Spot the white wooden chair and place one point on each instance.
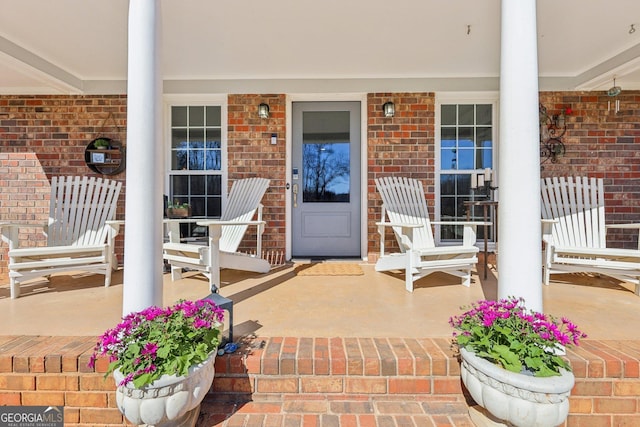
(225, 235)
(405, 206)
(574, 232)
(80, 232)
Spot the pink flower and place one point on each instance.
(150, 349)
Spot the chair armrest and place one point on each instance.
(469, 234)
(19, 224)
(630, 226)
(398, 224)
(547, 225)
(215, 231)
(180, 220)
(407, 233)
(9, 231)
(207, 223)
(114, 226)
(463, 223)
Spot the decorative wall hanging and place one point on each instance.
(552, 129)
(105, 155)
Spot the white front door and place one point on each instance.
(325, 179)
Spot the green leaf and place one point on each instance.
(509, 359)
(142, 380)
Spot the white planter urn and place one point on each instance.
(170, 400)
(513, 398)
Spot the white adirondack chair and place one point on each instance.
(405, 206)
(574, 232)
(80, 232)
(225, 235)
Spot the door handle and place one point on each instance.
(295, 195)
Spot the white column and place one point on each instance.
(520, 264)
(143, 217)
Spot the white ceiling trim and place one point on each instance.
(40, 68)
(624, 63)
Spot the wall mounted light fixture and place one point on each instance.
(263, 111)
(389, 109)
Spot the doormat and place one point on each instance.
(330, 269)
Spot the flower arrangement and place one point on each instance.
(519, 340)
(158, 341)
(176, 204)
(176, 209)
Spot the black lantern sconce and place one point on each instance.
(389, 109)
(552, 129)
(263, 111)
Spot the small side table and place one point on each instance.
(486, 204)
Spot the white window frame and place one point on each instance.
(218, 100)
(463, 98)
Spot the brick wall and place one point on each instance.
(53, 371)
(251, 153)
(399, 145)
(602, 143)
(43, 136)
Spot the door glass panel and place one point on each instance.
(326, 156)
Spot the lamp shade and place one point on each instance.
(263, 111)
(389, 109)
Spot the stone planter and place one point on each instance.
(170, 400)
(513, 398)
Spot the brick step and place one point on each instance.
(310, 381)
(341, 410)
(282, 381)
(360, 366)
(337, 382)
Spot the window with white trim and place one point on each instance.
(196, 158)
(466, 152)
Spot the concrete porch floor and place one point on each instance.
(284, 304)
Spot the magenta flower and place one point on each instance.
(518, 333)
(150, 349)
(150, 343)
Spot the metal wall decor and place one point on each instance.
(552, 129)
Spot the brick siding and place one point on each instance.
(399, 145)
(272, 371)
(603, 144)
(251, 153)
(42, 136)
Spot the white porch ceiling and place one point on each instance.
(246, 46)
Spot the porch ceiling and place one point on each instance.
(80, 46)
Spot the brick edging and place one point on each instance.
(43, 370)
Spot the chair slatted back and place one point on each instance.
(578, 205)
(403, 201)
(242, 204)
(79, 208)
